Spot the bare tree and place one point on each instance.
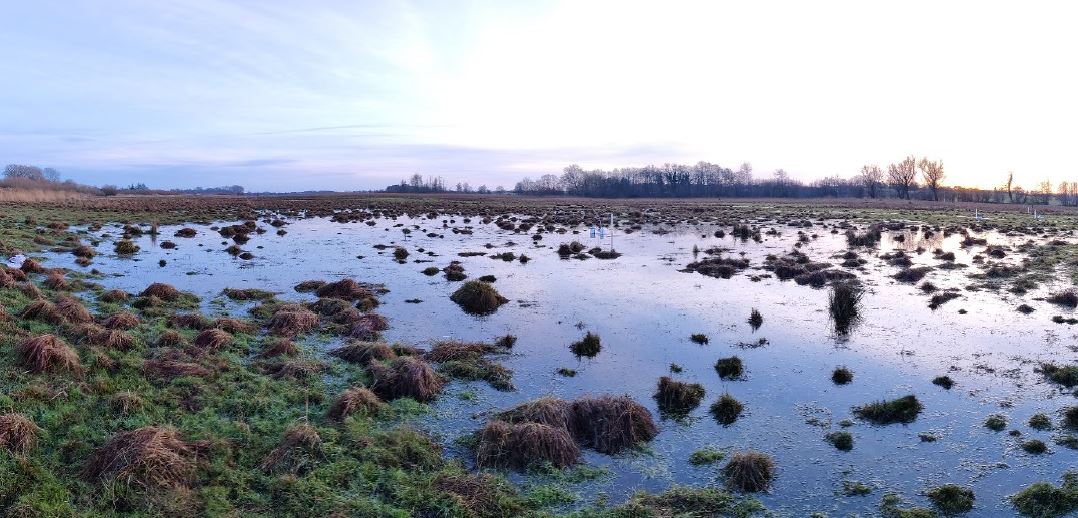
(23, 171)
(51, 174)
(871, 178)
(1010, 183)
(903, 176)
(1044, 191)
(932, 172)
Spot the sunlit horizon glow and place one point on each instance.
(356, 95)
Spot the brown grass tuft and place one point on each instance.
(520, 445)
(114, 296)
(170, 338)
(346, 289)
(189, 321)
(56, 281)
(47, 353)
(72, 310)
(406, 377)
(293, 322)
(30, 265)
(279, 347)
(364, 352)
(121, 320)
(43, 311)
(296, 452)
(352, 400)
(162, 291)
(610, 424)
(454, 350)
(17, 433)
(235, 326)
(749, 471)
(126, 402)
(151, 457)
(550, 411)
(212, 340)
(171, 368)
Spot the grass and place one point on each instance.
(841, 440)
(1034, 446)
(588, 346)
(996, 422)
(726, 409)
(699, 338)
(1044, 500)
(1040, 421)
(951, 499)
(755, 319)
(1066, 375)
(706, 456)
(902, 410)
(478, 297)
(842, 304)
(842, 375)
(730, 368)
(943, 381)
(678, 398)
(749, 471)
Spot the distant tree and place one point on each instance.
(28, 172)
(109, 190)
(1010, 183)
(1044, 192)
(871, 177)
(903, 176)
(499, 190)
(482, 189)
(932, 172)
(51, 174)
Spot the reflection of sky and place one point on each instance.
(353, 95)
(644, 309)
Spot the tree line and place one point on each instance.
(910, 178)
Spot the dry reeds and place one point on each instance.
(235, 326)
(151, 457)
(56, 281)
(677, 397)
(43, 311)
(353, 400)
(114, 296)
(17, 433)
(47, 353)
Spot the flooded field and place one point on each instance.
(958, 316)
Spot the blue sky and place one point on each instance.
(280, 95)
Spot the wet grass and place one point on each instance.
(951, 499)
(902, 410)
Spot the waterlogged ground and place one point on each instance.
(645, 308)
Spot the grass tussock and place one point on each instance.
(168, 368)
(1066, 375)
(951, 499)
(42, 311)
(1044, 500)
(151, 457)
(406, 377)
(677, 397)
(524, 444)
(902, 410)
(292, 322)
(352, 401)
(478, 297)
(235, 326)
(298, 451)
(588, 346)
(749, 471)
(189, 321)
(1067, 298)
(610, 424)
(843, 304)
(122, 320)
(841, 375)
(346, 289)
(170, 338)
(212, 340)
(364, 352)
(841, 440)
(72, 310)
(47, 353)
(730, 368)
(279, 347)
(726, 409)
(18, 433)
(165, 292)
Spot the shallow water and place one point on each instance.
(645, 308)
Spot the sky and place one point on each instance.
(281, 95)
